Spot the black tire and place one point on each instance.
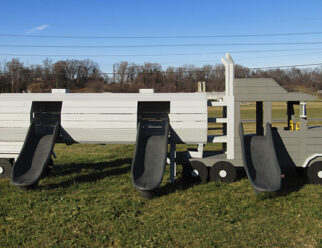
(195, 171)
(5, 168)
(314, 173)
(223, 171)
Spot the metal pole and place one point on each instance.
(173, 165)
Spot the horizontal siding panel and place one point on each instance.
(99, 117)
(186, 110)
(314, 149)
(15, 110)
(314, 141)
(14, 124)
(13, 134)
(188, 117)
(72, 110)
(10, 147)
(100, 104)
(14, 117)
(314, 134)
(102, 136)
(19, 104)
(192, 135)
(203, 125)
(98, 124)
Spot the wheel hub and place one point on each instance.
(1, 170)
(222, 173)
(195, 173)
(320, 174)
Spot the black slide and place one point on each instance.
(150, 155)
(261, 161)
(39, 143)
(34, 156)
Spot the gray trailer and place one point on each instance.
(271, 153)
(31, 124)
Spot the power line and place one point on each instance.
(163, 45)
(283, 66)
(159, 55)
(160, 37)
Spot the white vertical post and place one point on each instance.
(231, 74)
(223, 60)
(230, 127)
(303, 109)
(173, 165)
(230, 103)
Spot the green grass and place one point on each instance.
(88, 201)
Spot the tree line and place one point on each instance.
(86, 76)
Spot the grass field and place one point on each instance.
(88, 201)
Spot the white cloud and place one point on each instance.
(42, 27)
(39, 28)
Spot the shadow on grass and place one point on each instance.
(72, 168)
(184, 184)
(178, 185)
(101, 171)
(289, 185)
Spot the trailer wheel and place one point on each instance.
(223, 171)
(314, 173)
(5, 168)
(194, 171)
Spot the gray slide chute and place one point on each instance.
(150, 155)
(35, 155)
(37, 149)
(261, 161)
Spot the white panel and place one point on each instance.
(188, 117)
(13, 134)
(217, 138)
(176, 125)
(11, 109)
(102, 136)
(98, 124)
(10, 147)
(192, 135)
(188, 109)
(101, 104)
(14, 117)
(14, 124)
(99, 117)
(7, 104)
(73, 110)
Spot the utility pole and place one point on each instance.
(113, 73)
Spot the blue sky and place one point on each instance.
(163, 18)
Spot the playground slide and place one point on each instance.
(35, 155)
(260, 160)
(150, 155)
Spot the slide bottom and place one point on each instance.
(150, 155)
(34, 157)
(260, 161)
